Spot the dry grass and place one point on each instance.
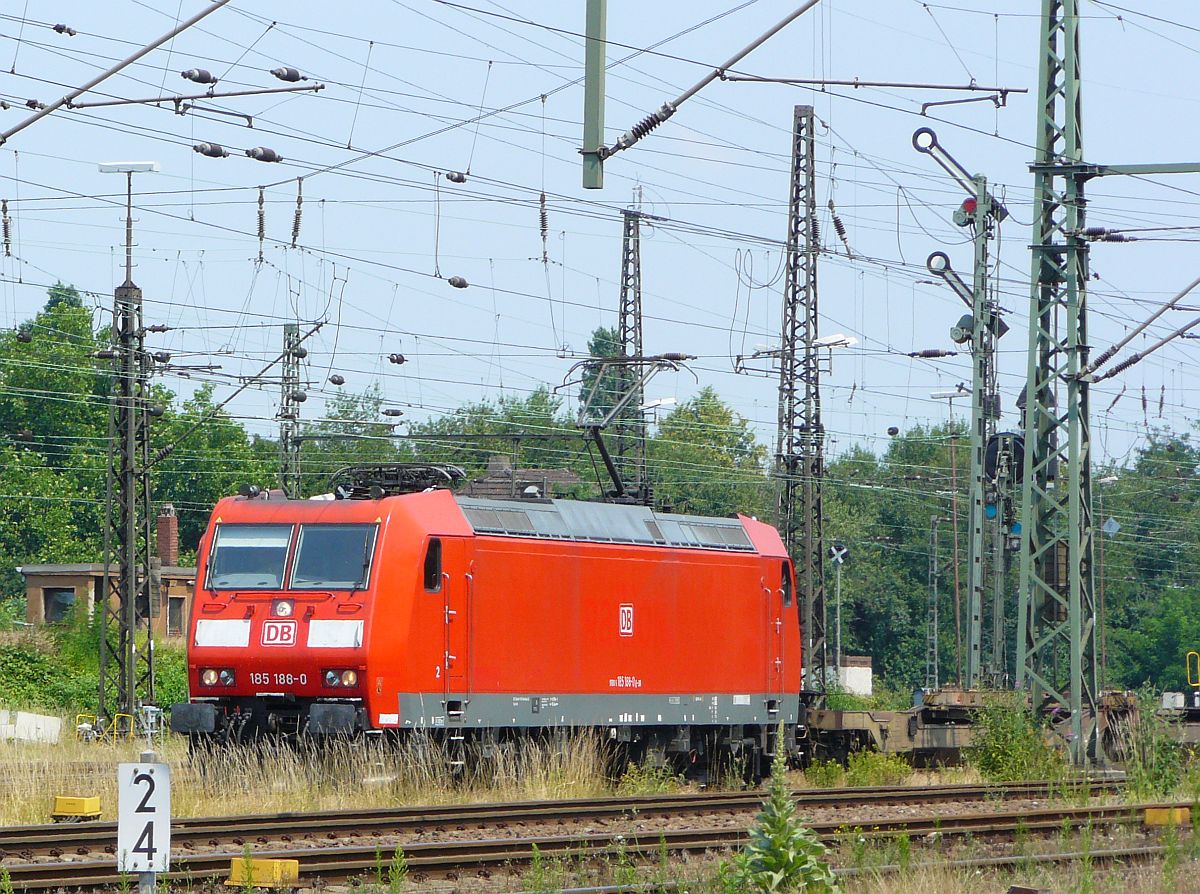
(341, 775)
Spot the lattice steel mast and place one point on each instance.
(127, 600)
(799, 460)
(631, 426)
(1056, 637)
(291, 396)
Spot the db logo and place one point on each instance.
(279, 633)
(626, 622)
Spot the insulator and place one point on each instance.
(391, 411)
(543, 216)
(299, 352)
(336, 379)
(289, 74)
(458, 282)
(262, 153)
(930, 353)
(262, 221)
(815, 232)
(158, 327)
(162, 357)
(33, 104)
(839, 227)
(298, 396)
(1094, 232)
(198, 75)
(65, 29)
(299, 212)
(211, 150)
(893, 430)
(7, 224)
(5, 106)
(456, 176)
(397, 359)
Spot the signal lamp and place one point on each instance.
(226, 677)
(282, 608)
(349, 678)
(332, 678)
(208, 677)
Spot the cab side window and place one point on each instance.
(786, 586)
(433, 565)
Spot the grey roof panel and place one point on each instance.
(603, 523)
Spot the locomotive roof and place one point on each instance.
(603, 522)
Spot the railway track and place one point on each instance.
(483, 858)
(85, 839)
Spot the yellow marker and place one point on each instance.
(1193, 669)
(261, 873)
(1168, 816)
(71, 809)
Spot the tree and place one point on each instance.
(351, 434)
(705, 460)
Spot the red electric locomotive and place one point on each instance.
(438, 612)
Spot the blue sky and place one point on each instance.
(381, 229)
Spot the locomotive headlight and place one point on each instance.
(349, 678)
(282, 608)
(226, 677)
(208, 677)
(332, 678)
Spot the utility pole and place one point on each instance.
(981, 328)
(932, 675)
(129, 598)
(291, 395)
(799, 461)
(1056, 622)
(631, 429)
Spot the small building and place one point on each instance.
(53, 591)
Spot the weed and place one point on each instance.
(903, 851)
(1086, 884)
(782, 853)
(872, 768)
(1021, 837)
(825, 774)
(538, 880)
(6, 885)
(397, 871)
(642, 779)
(1153, 759)
(1011, 745)
(1171, 855)
(247, 870)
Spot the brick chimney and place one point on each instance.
(168, 535)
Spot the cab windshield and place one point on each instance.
(249, 557)
(333, 557)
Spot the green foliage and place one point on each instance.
(782, 853)
(826, 774)
(704, 460)
(642, 779)
(872, 768)
(1011, 745)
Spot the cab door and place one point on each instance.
(781, 600)
(457, 581)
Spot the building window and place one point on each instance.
(58, 603)
(175, 619)
(433, 566)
